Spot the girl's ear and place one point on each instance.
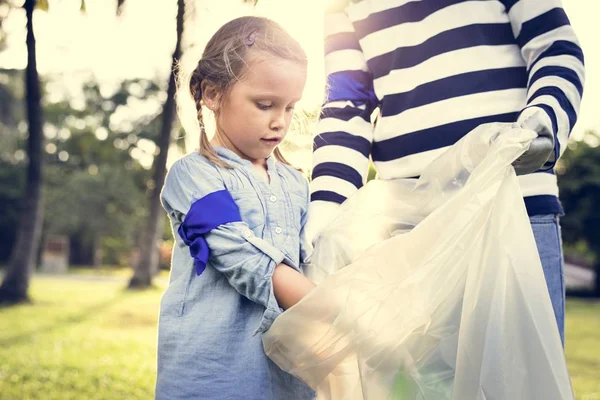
(211, 95)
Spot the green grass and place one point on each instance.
(92, 340)
(79, 340)
(109, 270)
(103, 270)
(583, 348)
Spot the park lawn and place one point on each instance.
(80, 339)
(583, 347)
(109, 270)
(84, 339)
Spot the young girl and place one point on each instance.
(237, 210)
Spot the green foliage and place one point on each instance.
(4, 10)
(12, 184)
(77, 127)
(6, 106)
(95, 190)
(579, 182)
(372, 172)
(106, 203)
(42, 5)
(116, 250)
(11, 90)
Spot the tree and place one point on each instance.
(94, 206)
(4, 7)
(15, 285)
(96, 164)
(25, 250)
(579, 182)
(148, 264)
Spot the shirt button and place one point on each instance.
(273, 199)
(278, 230)
(247, 233)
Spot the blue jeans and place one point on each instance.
(546, 229)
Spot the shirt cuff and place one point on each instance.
(272, 310)
(545, 116)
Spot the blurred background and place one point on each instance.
(88, 124)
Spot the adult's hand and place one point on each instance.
(541, 150)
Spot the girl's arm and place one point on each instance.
(290, 286)
(192, 193)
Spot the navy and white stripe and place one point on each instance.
(437, 69)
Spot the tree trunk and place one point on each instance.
(25, 251)
(597, 283)
(98, 253)
(148, 264)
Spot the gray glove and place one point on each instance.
(541, 150)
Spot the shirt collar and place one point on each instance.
(233, 158)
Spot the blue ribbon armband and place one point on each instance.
(205, 214)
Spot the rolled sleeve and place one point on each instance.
(248, 263)
(246, 260)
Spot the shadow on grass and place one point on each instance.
(75, 318)
(585, 365)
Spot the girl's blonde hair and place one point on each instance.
(224, 58)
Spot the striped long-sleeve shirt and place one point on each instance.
(437, 69)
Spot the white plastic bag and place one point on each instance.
(430, 289)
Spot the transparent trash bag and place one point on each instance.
(430, 289)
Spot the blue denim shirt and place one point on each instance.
(209, 342)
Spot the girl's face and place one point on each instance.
(255, 114)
